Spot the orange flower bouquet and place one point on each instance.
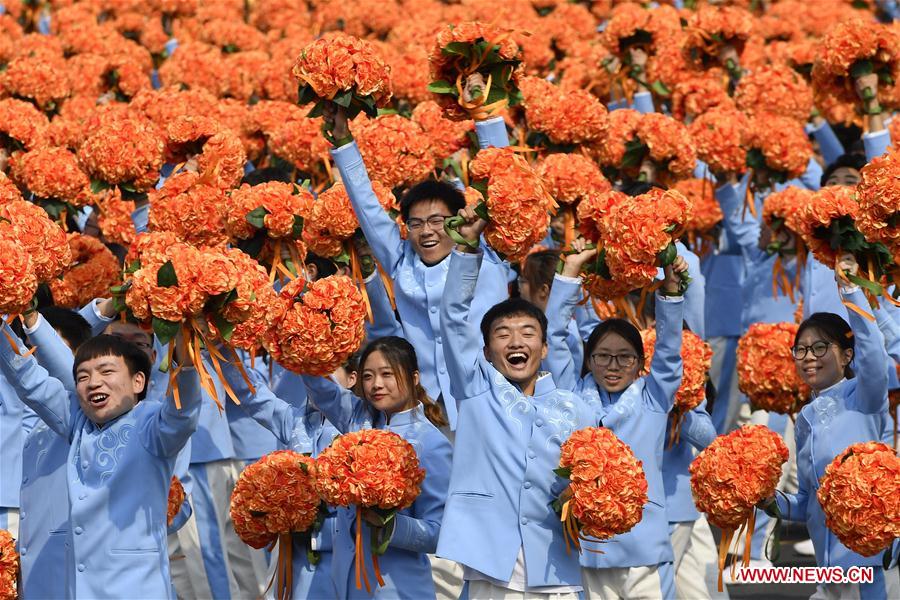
(464, 49)
(18, 282)
(516, 203)
(9, 566)
(258, 299)
(395, 150)
(854, 48)
(95, 269)
(267, 219)
(777, 158)
(765, 367)
(705, 212)
(376, 470)
(696, 356)
(54, 177)
(878, 194)
(346, 71)
(734, 473)
(651, 137)
(596, 278)
(561, 118)
(710, 29)
(696, 95)
(114, 217)
(720, 137)
(218, 152)
(202, 292)
(190, 208)
(319, 324)
(176, 499)
(828, 226)
(124, 152)
(570, 178)
(607, 487)
(298, 140)
(781, 210)
(858, 494)
(446, 136)
(639, 234)
(24, 127)
(775, 89)
(275, 502)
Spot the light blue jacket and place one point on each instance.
(638, 416)
(11, 433)
(303, 429)
(507, 445)
(851, 411)
(829, 144)
(118, 481)
(697, 431)
(418, 288)
(251, 440)
(404, 566)
(759, 305)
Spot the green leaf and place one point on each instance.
(458, 49)
(344, 98)
(166, 276)
(318, 110)
(165, 330)
(441, 87)
(297, 227)
(861, 68)
(225, 327)
(482, 211)
(305, 94)
(257, 217)
(660, 89)
(98, 186)
(564, 472)
(756, 160)
(634, 153)
(668, 256)
(133, 267)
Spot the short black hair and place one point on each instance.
(637, 188)
(834, 329)
(431, 189)
(848, 161)
(71, 326)
(540, 267)
(266, 174)
(135, 359)
(324, 266)
(510, 308)
(620, 327)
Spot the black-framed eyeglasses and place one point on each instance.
(434, 222)
(625, 361)
(818, 349)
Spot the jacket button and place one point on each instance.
(539, 422)
(84, 464)
(24, 480)
(433, 309)
(23, 551)
(78, 531)
(527, 485)
(82, 496)
(524, 521)
(80, 568)
(532, 454)
(437, 340)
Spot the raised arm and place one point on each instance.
(697, 427)
(829, 144)
(52, 352)
(666, 366)
(339, 405)
(384, 321)
(741, 226)
(98, 313)
(419, 532)
(462, 340)
(564, 297)
(890, 329)
(870, 358)
(167, 434)
(44, 394)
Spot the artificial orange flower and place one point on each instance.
(766, 371)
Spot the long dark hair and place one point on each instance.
(400, 354)
(617, 326)
(835, 330)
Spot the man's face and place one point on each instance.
(105, 388)
(843, 176)
(516, 348)
(426, 231)
(134, 334)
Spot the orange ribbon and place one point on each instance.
(360, 567)
(356, 275)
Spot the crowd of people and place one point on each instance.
(487, 233)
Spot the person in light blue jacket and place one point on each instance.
(639, 562)
(498, 522)
(419, 265)
(847, 407)
(121, 459)
(394, 400)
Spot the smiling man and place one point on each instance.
(512, 420)
(419, 264)
(121, 457)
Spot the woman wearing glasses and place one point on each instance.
(637, 564)
(846, 407)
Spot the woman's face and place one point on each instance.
(382, 388)
(820, 372)
(614, 363)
